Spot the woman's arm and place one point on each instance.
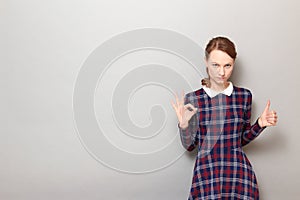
(188, 122)
(250, 132)
(190, 135)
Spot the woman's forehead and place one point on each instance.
(220, 57)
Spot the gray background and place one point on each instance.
(45, 43)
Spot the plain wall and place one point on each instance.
(44, 45)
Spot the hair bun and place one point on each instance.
(205, 82)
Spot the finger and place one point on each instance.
(272, 121)
(275, 115)
(267, 106)
(271, 117)
(195, 110)
(182, 97)
(190, 107)
(272, 114)
(173, 105)
(177, 99)
(269, 124)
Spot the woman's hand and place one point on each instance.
(267, 118)
(184, 112)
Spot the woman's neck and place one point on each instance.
(219, 87)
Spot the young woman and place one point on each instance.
(216, 120)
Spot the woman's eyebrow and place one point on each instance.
(214, 62)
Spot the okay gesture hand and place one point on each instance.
(184, 112)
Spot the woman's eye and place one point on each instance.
(228, 66)
(215, 65)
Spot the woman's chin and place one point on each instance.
(222, 81)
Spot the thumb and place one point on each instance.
(267, 108)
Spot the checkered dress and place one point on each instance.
(219, 130)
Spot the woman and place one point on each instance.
(216, 120)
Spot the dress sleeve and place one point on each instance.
(250, 132)
(190, 136)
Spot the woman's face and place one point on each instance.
(220, 66)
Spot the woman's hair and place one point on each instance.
(222, 44)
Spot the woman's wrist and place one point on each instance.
(260, 123)
(183, 125)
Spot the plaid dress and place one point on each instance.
(219, 129)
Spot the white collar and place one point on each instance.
(211, 93)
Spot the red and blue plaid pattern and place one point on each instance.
(219, 130)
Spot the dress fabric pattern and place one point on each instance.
(220, 128)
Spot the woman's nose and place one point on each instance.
(222, 71)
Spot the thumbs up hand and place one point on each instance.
(267, 118)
